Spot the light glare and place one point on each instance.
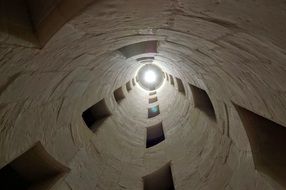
(150, 76)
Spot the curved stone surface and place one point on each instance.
(233, 50)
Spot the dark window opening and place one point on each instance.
(16, 23)
(153, 111)
(145, 59)
(128, 86)
(152, 93)
(152, 100)
(202, 101)
(172, 80)
(267, 141)
(155, 135)
(31, 23)
(133, 82)
(160, 179)
(139, 48)
(181, 87)
(119, 94)
(34, 169)
(96, 115)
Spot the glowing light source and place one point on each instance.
(150, 76)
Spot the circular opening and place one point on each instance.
(150, 77)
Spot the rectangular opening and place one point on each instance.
(128, 86)
(181, 87)
(160, 179)
(153, 111)
(171, 80)
(267, 141)
(152, 93)
(16, 24)
(96, 114)
(155, 135)
(152, 100)
(133, 82)
(31, 23)
(139, 48)
(145, 59)
(119, 94)
(34, 169)
(202, 101)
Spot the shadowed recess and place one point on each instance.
(172, 80)
(139, 48)
(181, 87)
(96, 114)
(202, 101)
(128, 86)
(152, 100)
(155, 135)
(133, 82)
(267, 141)
(119, 94)
(34, 169)
(36, 21)
(159, 180)
(145, 59)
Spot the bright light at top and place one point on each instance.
(150, 76)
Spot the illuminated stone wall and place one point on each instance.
(233, 50)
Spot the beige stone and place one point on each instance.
(69, 58)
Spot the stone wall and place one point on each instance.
(231, 49)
